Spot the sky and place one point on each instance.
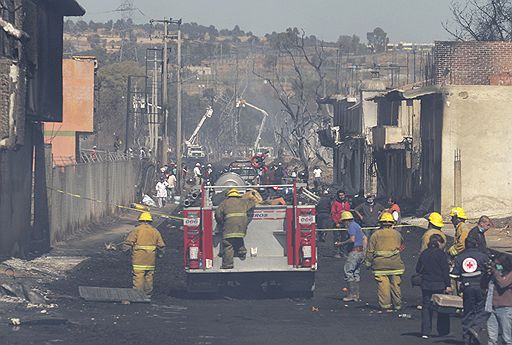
(416, 21)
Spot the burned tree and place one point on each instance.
(481, 20)
(296, 76)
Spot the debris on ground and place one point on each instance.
(19, 293)
(14, 322)
(315, 309)
(52, 266)
(146, 200)
(11, 299)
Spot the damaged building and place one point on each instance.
(447, 144)
(31, 47)
(351, 139)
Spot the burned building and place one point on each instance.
(353, 120)
(446, 145)
(30, 92)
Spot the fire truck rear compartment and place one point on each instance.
(266, 263)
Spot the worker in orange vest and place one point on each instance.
(144, 242)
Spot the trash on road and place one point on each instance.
(14, 322)
(315, 309)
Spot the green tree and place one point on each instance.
(377, 40)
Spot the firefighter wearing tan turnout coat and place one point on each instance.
(144, 242)
(232, 214)
(383, 256)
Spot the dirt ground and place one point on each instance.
(175, 317)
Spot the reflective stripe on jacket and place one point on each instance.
(232, 215)
(383, 252)
(144, 240)
(459, 242)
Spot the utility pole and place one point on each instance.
(165, 91)
(129, 105)
(179, 155)
(237, 115)
(165, 97)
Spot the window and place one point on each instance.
(388, 112)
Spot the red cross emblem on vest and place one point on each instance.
(469, 265)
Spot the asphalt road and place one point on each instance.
(235, 318)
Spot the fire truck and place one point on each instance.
(280, 242)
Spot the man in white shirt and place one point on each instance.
(161, 192)
(317, 173)
(197, 174)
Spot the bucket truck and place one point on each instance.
(193, 149)
(241, 103)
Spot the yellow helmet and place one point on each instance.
(145, 217)
(459, 212)
(346, 215)
(436, 219)
(386, 217)
(233, 192)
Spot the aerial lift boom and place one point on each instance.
(193, 138)
(242, 103)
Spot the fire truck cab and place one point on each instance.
(280, 242)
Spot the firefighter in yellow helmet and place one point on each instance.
(144, 242)
(232, 214)
(435, 226)
(461, 231)
(383, 256)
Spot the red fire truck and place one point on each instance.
(280, 242)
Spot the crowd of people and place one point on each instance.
(367, 237)
(365, 233)
(165, 187)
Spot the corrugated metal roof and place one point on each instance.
(408, 94)
(337, 98)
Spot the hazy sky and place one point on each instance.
(403, 20)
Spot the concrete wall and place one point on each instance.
(478, 121)
(111, 183)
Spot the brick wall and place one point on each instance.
(471, 63)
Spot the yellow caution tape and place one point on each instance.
(367, 228)
(118, 206)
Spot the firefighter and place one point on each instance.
(470, 269)
(435, 225)
(461, 230)
(232, 214)
(383, 257)
(144, 242)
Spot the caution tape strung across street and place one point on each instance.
(118, 206)
(367, 228)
